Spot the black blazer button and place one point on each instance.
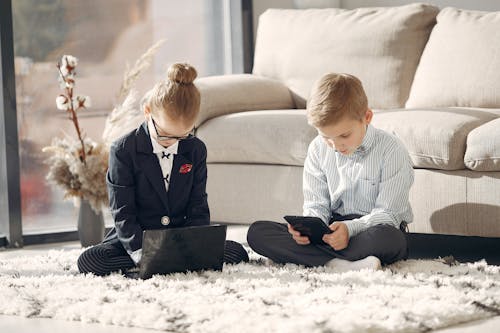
(165, 220)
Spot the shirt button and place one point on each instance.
(165, 220)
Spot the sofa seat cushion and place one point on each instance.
(381, 46)
(435, 138)
(264, 137)
(483, 147)
(460, 63)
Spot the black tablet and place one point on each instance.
(312, 227)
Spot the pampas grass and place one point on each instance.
(127, 115)
(141, 64)
(77, 179)
(123, 119)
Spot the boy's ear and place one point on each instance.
(368, 116)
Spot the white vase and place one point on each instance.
(90, 225)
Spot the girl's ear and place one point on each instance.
(147, 111)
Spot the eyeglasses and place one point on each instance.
(159, 137)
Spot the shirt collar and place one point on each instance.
(367, 140)
(158, 148)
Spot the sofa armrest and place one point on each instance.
(227, 94)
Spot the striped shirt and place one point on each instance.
(374, 182)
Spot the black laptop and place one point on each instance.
(182, 249)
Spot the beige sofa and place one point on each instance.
(432, 77)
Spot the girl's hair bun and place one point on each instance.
(181, 73)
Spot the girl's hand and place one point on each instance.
(339, 238)
(301, 240)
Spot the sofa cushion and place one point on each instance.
(483, 147)
(460, 63)
(240, 92)
(381, 46)
(435, 138)
(268, 137)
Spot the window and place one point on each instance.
(105, 36)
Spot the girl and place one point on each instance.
(157, 177)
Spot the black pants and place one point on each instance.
(272, 240)
(106, 258)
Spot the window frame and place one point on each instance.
(10, 197)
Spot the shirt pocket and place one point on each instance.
(368, 192)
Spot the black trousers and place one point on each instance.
(106, 258)
(272, 240)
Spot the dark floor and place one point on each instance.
(462, 248)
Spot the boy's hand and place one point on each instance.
(339, 238)
(301, 240)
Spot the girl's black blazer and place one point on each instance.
(137, 196)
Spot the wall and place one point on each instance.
(260, 6)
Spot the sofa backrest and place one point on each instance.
(381, 46)
(460, 65)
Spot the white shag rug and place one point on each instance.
(410, 296)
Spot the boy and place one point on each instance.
(356, 179)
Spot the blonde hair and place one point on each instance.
(334, 97)
(177, 95)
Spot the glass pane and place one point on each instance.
(105, 36)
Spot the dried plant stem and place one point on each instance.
(73, 116)
(127, 113)
(141, 64)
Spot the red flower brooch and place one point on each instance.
(185, 168)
